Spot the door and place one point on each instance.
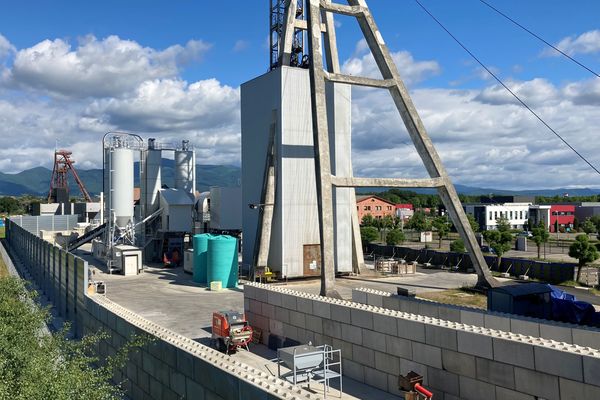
(312, 260)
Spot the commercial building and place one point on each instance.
(563, 215)
(585, 210)
(374, 206)
(404, 211)
(517, 214)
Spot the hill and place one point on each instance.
(36, 181)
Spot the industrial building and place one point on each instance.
(279, 102)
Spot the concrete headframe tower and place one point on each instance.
(319, 15)
(298, 141)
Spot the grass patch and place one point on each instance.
(2, 232)
(3, 269)
(458, 297)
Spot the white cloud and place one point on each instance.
(534, 92)
(363, 64)
(6, 48)
(97, 68)
(586, 43)
(240, 45)
(493, 144)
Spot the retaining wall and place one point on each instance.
(560, 331)
(171, 366)
(457, 360)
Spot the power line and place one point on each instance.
(507, 88)
(539, 38)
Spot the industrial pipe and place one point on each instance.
(423, 391)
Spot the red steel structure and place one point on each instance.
(62, 165)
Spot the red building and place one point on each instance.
(564, 214)
(376, 206)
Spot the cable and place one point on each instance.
(539, 38)
(507, 88)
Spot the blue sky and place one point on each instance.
(69, 70)
(159, 24)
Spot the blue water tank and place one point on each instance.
(222, 261)
(200, 253)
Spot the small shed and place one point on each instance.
(529, 299)
(177, 215)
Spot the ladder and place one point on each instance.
(320, 21)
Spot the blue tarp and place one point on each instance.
(566, 308)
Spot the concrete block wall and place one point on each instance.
(457, 360)
(175, 367)
(559, 331)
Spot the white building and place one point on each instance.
(517, 214)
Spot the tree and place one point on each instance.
(457, 246)
(540, 235)
(419, 222)
(588, 226)
(394, 237)
(9, 205)
(367, 220)
(596, 221)
(50, 366)
(500, 239)
(442, 225)
(503, 224)
(368, 234)
(473, 222)
(583, 251)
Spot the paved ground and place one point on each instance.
(169, 298)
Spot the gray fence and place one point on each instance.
(546, 271)
(61, 276)
(35, 224)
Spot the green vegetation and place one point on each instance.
(459, 297)
(2, 232)
(442, 225)
(419, 222)
(458, 246)
(584, 251)
(500, 239)
(540, 236)
(394, 237)
(368, 234)
(40, 366)
(588, 226)
(474, 224)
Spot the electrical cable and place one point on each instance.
(539, 38)
(507, 88)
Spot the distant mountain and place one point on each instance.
(36, 181)
(475, 191)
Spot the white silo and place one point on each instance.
(121, 186)
(152, 177)
(185, 168)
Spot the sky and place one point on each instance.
(72, 70)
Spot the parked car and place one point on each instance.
(487, 249)
(526, 234)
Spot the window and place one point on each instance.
(367, 207)
(378, 208)
(389, 207)
(495, 214)
(511, 215)
(490, 215)
(525, 214)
